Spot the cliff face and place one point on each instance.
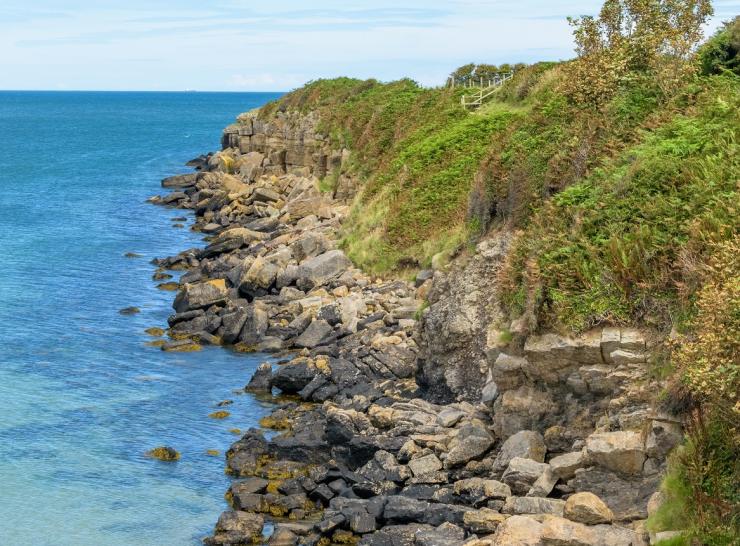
(289, 143)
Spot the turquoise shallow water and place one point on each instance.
(81, 395)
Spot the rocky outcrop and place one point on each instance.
(449, 425)
(287, 143)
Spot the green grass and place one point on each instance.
(620, 244)
(700, 489)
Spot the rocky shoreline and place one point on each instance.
(412, 412)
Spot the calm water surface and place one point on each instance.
(82, 398)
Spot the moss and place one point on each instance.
(161, 276)
(186, 348)
(272, 486)
(275, 423)
(235, 431)
(242, 347)
(154, 332)
(164, 453)
(221, 414)
(344, 537)
(169, 286)
(156, 343)
(213, 453)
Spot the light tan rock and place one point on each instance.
(587, 508)
(483, 521)
(558, 531)
(519, 530)
(565, 466)
(621, 451)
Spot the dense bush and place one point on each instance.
(624, 243)
(722, 51)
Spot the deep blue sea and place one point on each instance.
(82, 397)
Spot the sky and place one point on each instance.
(274, 45)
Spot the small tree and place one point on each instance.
(722, 51)
(628, 37)
(464, 74)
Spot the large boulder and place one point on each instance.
(261, 380)
(237, 528)
(472, 441)
(261, 274)
(483, 521)
(533, 505)
(519, 530)
(526, 444)
(621, 451)
(522, 473)
(318, 331)
(321, 269)
(180, 181)
(201, 295)
(294, 376)
(587, 508)
(565, 466)
(557, 531)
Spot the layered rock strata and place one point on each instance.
(417, 418)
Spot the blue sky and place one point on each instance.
(240, 45)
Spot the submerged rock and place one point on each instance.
(164, 453)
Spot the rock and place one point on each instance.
(621, 451)
(449, 417)
(662, 437)
(261, 274)
(164, 453)
(471, 441)
(446, 534)
(201, 295)
(565, 466)
(130, 311)
(248, 486)
(425, 465)
(404, 510)
(544, 484)
(237, 528)
(533, 505)
(255, 325)
(526, 444)
(318, 331)
(262, 379)
(557, 531)
(302, 208)
(265, 195)
(293, 377)
(282, 537)
(479, 489)
(519, 530)
(232, 324)
(181, 346)
(361, 522)
(521, 474)
(484, 521)
(626, 496)
(587, 508)
(319, 270)
(308, 246)
(180, 181)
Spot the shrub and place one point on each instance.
(633, 36)
(722, 51)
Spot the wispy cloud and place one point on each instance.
(242, 44)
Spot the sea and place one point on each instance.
(82, 395)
